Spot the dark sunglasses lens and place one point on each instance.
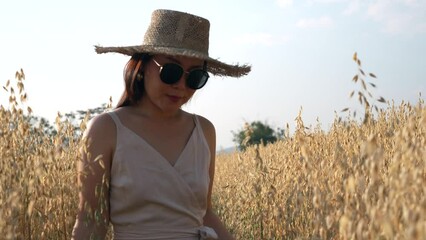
(171, 73)
(197, 79)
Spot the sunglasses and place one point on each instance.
(170, 73)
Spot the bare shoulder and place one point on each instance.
(100, 122)
(101, 128)
(207, 126)
(209, 132)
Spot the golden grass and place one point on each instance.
(356, 181)
(38, 195)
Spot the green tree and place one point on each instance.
(254, 133)
(72, 120)
(76, 118)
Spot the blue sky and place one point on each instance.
(300, 52)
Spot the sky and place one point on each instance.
(300, 53)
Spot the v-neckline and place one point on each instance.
(158, 152)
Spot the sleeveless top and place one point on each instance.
(152, 199)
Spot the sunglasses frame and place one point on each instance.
(204, 72)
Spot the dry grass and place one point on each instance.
(356, 181)
(37, 174)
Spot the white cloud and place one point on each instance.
(284, 3)
(264, 39)
(393, 16)
(326, 1)
(315, 2)
(353, 7)
(421, 27)
(399, 16)
(322, 22)
(411, 2)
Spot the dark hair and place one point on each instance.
(133, 80)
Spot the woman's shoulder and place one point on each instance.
(205, 123)
(207, 126)
(101, 124)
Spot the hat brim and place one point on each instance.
(214, 66)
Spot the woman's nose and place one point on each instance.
(182, 81)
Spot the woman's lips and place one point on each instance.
(174, 98)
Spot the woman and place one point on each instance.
(149, 166)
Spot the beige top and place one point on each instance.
(152, 199)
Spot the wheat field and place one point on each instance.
(359, 180)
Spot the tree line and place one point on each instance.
(253, 133)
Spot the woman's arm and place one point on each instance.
(93, 179)
(211, 219)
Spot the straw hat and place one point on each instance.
(179, 34)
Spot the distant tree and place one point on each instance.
(75, 118)
(41, 125)
(253, 134)
(79, 115)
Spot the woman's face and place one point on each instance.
(168, 97)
